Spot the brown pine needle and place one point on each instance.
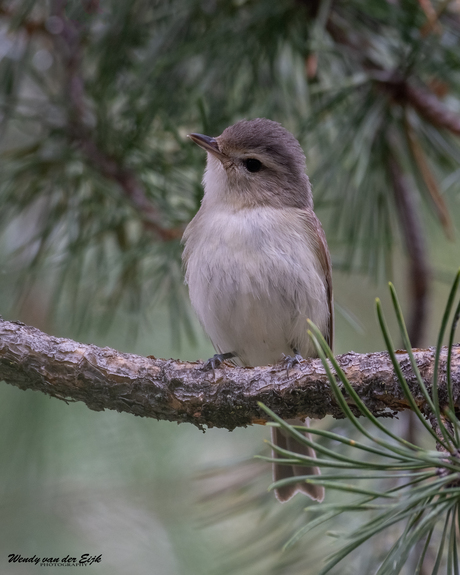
(430, 181)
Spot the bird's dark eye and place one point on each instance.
(252, 165)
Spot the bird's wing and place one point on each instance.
(322, 252)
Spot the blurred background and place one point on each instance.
(98, 181)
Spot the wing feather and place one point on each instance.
(320, 246)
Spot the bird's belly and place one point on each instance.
(254, 298)
(256, 327)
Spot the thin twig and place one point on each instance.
(422, 163)
(414, 239)
(66, 36)
(68, 44)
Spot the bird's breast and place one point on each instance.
(250, 248)
(254, 278)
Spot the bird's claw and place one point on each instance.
(216, 361)
(290, 361)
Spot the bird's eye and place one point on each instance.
(252, 165)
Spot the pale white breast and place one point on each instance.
(254, 279)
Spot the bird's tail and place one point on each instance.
(285, 441)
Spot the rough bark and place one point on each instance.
(104, 378)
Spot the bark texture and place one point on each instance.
(104, 378)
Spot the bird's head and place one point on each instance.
(255, 162)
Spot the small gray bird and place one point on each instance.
(257, 262)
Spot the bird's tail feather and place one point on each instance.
(286, 441)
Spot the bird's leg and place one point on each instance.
(216, 360)
(289, 361)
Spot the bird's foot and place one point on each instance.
(289, 361)
(216, 361)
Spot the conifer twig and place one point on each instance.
(419, 272)
(68, 45)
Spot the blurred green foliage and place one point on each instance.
(93, 94)
(81, 83)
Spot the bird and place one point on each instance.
(257, 263)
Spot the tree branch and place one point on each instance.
(68, 46)
(414, 238)
(415, 92)
(181, 391)
(65, 35)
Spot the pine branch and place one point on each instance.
(414, 239)
(66, 36)
(68, 46)
(29, 26)
(181, 391)
(418, 96)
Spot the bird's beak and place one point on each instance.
(209, 144)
